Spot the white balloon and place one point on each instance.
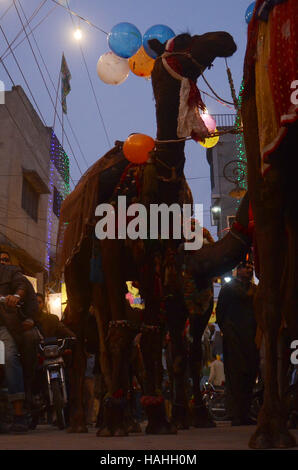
(112, 69)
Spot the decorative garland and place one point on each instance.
(240, 146)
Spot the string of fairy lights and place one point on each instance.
(59, 160)
(240, 148)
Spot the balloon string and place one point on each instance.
(212, 134)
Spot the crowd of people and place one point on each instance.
(21, 330)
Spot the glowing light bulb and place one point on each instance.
(78, 34)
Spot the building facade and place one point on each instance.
(34, 179)
(226, 175)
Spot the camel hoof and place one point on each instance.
(77, 429)
(135, 428)
(104, 432)
(264, 440)
(181, 426)
(261, 440)
(202, 418)
(204, 422)
(120, 432)
(164, 428)
(285, 440)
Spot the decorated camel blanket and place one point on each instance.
(272, 61)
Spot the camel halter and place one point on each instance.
(189, 120)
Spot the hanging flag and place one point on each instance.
(65, 83)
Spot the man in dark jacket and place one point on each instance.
(13, 287)
(235, 317)
(49, 325)
(24, 332)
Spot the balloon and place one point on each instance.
(124, 40)
(159, 31)
(136, 148)
(249, 12)
(112, 69)
(141, 64)
(209, 122)
(210, 142)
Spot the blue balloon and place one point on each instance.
(249, 12)
(159, 31)
(125, 40)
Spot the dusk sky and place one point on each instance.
(128, 107)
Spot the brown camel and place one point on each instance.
(270, 131)
(162, 181)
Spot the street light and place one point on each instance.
(55, 304)
(78, 34)
(216, 209)
(227, 279)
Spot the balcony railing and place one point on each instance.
(224, 120)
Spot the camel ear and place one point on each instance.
(156, 46)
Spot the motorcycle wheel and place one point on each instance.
(58, 404)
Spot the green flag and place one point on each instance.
(65, 83)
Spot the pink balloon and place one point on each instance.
(209, 122)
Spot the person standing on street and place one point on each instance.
(217, 375)
(236, 319)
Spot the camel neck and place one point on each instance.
(167, 96)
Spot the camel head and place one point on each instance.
(195, 53)
(188, 56)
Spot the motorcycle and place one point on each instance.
(53, 395)
(214, 400)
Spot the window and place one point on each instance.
(57, 201)
(30, 199)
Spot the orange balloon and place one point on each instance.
(136, 148)
(141, 64)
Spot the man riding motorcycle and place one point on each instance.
(14, 287)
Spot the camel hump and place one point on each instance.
(78, 209)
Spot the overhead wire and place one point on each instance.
(80, 17)
(57, 98)
(36, 11)
(44, 81)
(27, 235)
(92, 87)
(6, 11)
(20, 130)
(23, 76)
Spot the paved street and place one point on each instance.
(48, 438)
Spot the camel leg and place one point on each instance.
(119, 335)
(152, 400)
(270, 232)
(151, 347)
(176, 318)
(78, 291)
(267, 196)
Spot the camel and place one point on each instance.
(114, 261)
(270, 132)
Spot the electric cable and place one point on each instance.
(6, 11)
(92, 87)
(49, 93)
(52, 82)
(36, 11)
(80, 17)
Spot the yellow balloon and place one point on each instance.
(210, 141)
(141, 64)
